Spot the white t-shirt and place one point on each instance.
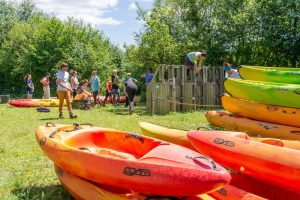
(64, 77)
(74, 82)
(234, 74)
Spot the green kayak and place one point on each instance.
(280, 94)
(271, 74)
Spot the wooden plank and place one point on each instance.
(187, 97)
(174, 93)
(209, 94)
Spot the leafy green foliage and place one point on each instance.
(240, 31)
(35, 43)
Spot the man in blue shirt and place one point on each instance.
(95, 83)
(148, 76)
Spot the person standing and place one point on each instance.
(29, 86)
(95, 83)
(108, 90)
(148, 76)
(115, 87)
(193, 61)
(231, 73)
(74, 83)
(45, 81)
(64, 90)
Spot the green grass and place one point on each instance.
(25, 173)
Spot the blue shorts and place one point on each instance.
(29, 92)
(115, 91)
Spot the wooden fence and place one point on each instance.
(172, 89)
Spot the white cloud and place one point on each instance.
(132, 6)
(91, 11)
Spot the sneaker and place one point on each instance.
(60, 116)
(73, 116)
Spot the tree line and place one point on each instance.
(249, 32)
(34, 42)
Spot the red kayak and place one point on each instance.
(35, 102)
(273, 164)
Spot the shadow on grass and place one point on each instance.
(124, 111)
(53, 192)
(48, 119)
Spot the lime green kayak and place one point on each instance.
(271, 74)
(280, 94)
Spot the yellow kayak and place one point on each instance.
(175, 136)
(262, 112)
(179, 137)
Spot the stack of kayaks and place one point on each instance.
(265, 103)
(110, 164)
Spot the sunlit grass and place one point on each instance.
(25, 173)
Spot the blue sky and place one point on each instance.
(117, 18)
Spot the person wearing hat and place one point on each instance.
(115, 87)
(193, 61)
(64, 90)
(231, 73)
(45, 81)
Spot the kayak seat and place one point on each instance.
(108, 152)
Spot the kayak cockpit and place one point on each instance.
(112, 143)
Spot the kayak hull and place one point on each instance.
(271, 74)
(287, 95)
(259, 160)
(252, 127)
(35, 102)
(262, 112)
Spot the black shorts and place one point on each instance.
(189, 64)
(95, 94)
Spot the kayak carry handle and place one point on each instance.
(76, 126)
(161, 197)
(87, 124)
(213, 164)
(131, 135)
(50, 123)
(204, 127)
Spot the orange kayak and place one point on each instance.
(230, 192)
(261, 188)
(252, 127)
(269, 163)
(141, 164)
(83, 189)
(262, 112)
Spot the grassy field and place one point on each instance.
(25, 173)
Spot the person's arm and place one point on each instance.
(59, 82)
(30, 85)
(99, 86)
